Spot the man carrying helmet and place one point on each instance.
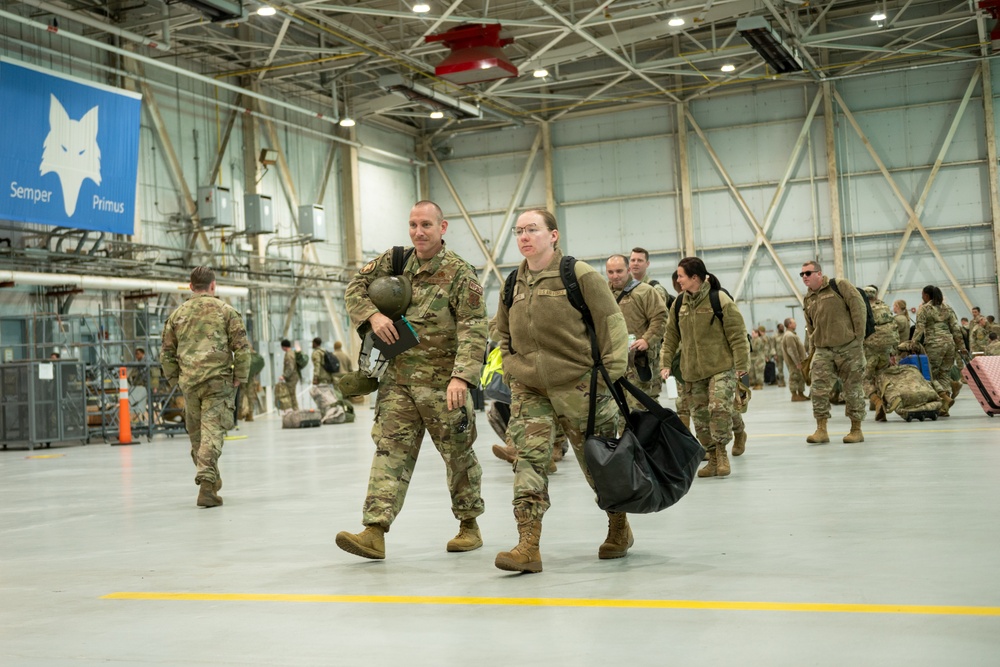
(425, 387)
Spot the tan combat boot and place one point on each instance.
(878, 407)
(468, 538)
(855, 435)
(722, 468)
(557, 453)
(525, 557)
(505, 452)
(956, 387)
(207, 496)
(820, 435)
(619, 539)
(739, 443)
(369, 543)
(710, 470)
(946, 403)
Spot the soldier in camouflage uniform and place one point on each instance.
(645, 315)
(795, 354)
(758, 358)
(289, 375)
(902, 318)
(638, 267)
(205, 351)
(836, 325)
(320, 374)
(714, 357)
(938, 330)
(548, 362)
(993, 346)
(880, 347)
(979, 334)
(425, 387)
(778, 354)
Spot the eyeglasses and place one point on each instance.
(517, 231)
(806, 274)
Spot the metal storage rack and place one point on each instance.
(42, 402)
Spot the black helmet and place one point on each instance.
(391, 295)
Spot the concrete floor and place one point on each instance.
(882, 553)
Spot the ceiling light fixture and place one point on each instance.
(421, 8)
(437, 114)
(266, 10)
(879, 15)
(347, 122)
(729, 67)
(540, 73)
(675, 22)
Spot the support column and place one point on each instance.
(991, 152)
(683, 169)
(550, 188)
(350, 194)
(832, 182)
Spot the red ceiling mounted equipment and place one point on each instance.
(476, 54)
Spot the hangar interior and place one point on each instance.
(866, 143)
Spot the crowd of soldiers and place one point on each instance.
(697, 340)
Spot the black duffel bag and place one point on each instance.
(654, 462)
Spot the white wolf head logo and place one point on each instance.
(71, 152)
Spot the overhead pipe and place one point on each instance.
(97, 25)
(109, 283)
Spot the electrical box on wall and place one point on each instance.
(215, 206)
(312, 222)
(258, 214)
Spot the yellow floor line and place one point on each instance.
(873, 432)
(814, 607)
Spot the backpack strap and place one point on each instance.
(508, 289)
(400, 256)
(632, 284)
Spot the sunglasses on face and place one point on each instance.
(806, 274)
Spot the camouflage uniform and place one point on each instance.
(881, 345)
(547, 360)
(902, 326)
(205, 349)
(448, 314)
(938, 330)
(836, 326)
(711, 356)
(795, 353)
(907, 384)
(978, 338)
(346, 365)
(320, 374)
(645, 314)
(654, 353)
(291, 372)
(992, 349)
(779, 358)
(758, 359)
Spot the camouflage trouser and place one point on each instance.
(651, 388)
(402, 413)
(533, 417)
(876, 361)
(712, 406)
(941, 356)
(683, 405)
(292, 398)
(796, 383)
(738, 425)
(209, 411)
(757, 364)
(846, 362)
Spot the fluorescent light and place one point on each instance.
(421, 8)
(265, 10)
(347, 122)
(540, 73)
(729, 67)
(878, 16)
(675, 21)
(437, 114)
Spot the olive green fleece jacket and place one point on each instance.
(709, 347)
(835, 320)
(543, 339)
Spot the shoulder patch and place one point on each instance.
(369, 267)
(474, 286)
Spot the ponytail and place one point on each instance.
(934, 294)
(714, 282)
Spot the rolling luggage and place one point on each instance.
(983, 376)
(300, 419)
(770, 373)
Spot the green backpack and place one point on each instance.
(256, 364)
(301, 360)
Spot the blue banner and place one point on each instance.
(70, 150)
